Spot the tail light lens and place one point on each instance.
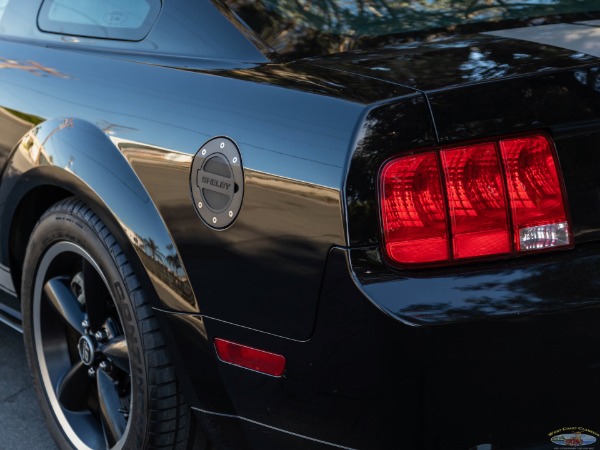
(414, 210)
(495, 198)
(476, 199)
(536, 200)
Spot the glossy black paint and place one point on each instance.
(291, 211)
(388, 130)
(377, 357)
(363, 381)
(534, 285)
(465, 60)
(185, 30)
(306, 183)
(331, 391)
(491, 87)
(77, 156)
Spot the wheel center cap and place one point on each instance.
(86, 349)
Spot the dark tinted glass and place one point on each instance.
(108, 19)
(285, 24)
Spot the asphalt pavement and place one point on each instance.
(21, 423)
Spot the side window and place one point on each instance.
(129, 20)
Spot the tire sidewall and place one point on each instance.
(54, 227)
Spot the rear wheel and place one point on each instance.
(98, 358)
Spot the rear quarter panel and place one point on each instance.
(265, 271)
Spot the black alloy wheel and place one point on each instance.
(97, 355)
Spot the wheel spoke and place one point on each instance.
(95, 296)
(117, 353)
(73, 388)
(113, 420)
(65, 303)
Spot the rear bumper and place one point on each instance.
(530, 285)
(516, 361)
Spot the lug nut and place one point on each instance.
(101, 335)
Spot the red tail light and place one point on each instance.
(495, 198)
(414, 211)
(479, 219)
(538, 210)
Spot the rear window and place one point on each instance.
(288, 25)
(129, 20)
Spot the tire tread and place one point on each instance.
(168, 414)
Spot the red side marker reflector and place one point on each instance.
(250, 358)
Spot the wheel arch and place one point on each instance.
(67, 156)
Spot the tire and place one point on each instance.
(99, 362)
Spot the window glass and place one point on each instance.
(295, 26)
(111, 19)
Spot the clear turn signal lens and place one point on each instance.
(544, 236)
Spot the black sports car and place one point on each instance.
(304, 224)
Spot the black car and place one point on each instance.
(309, 224)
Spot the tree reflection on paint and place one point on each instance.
(326, 26)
